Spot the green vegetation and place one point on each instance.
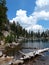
(10, 38)
(3, 16)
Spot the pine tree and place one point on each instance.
(3, 16)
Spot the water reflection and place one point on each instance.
(28, 46)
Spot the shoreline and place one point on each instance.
(30, 62)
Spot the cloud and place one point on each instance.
(23, 19)
(42, 5)
(41, 15)
(35, 28)
(41, 12)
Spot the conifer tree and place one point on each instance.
(3, 15)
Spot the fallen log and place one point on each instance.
(28, 56)
(41, 51)
(32, 54)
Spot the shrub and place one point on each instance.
(10, 38)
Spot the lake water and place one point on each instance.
(29, 46)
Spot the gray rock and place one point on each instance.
(1, 53)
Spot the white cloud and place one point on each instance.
(38, 27)
(30, 22)
(41, 10)
(35, 28)
(41, 15)
(42, 5)
(21, 13)
(22, 18)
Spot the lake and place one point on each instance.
(28, 46)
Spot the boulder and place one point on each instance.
(1, 53)
(16, 62)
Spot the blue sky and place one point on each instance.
(15, 5)
(31, 14)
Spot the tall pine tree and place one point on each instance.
(3, 16)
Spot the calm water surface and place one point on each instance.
(28, 46)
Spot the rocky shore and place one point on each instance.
(10, 60)
(39, 60)
(6, 59)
